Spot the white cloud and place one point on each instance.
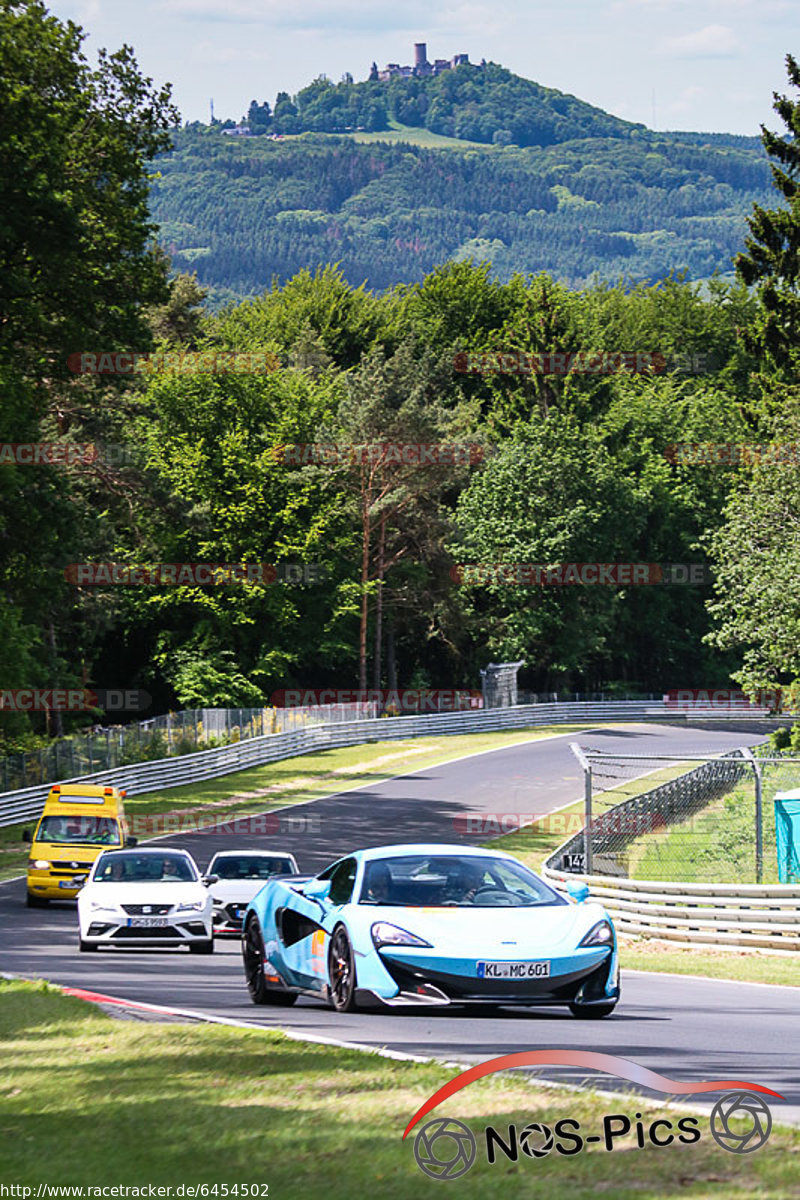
(713, 41)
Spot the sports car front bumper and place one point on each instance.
(584, 977)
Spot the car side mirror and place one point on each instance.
(209, 880)
(318, 889)
(578, 891)
(26, 835)
(132, 841)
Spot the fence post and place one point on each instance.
(748, 754)
(587, 806)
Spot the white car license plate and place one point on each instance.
(148, 922)
(70, 883)
(513, 970)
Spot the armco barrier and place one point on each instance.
(161, 773)
(763, 916)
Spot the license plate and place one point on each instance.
(148, 922)
(513, 970)
(70, 883)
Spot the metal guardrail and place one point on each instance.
(163, 773)
(761, 916)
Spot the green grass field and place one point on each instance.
(718, 844)
(87, 1100)
(418, 137)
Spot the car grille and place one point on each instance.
(72, 865)
(146, 910)
(165, 931)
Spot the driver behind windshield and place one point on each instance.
(463, 883)
(379, 883)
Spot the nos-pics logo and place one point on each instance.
(446, 1148)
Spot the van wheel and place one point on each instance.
(36, 901)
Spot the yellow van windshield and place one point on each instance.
(93, 831)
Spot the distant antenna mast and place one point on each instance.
(654, 107)
(212, 110)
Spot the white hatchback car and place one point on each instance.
(146, 897)
(240, 875)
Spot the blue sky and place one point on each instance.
(672, 64)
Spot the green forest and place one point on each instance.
(191, 465)
(242, 211)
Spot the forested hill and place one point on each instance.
(481, 104)
(631, 203)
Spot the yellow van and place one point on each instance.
(78, 823)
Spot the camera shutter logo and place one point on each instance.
(444, 1148)
(741, 1106)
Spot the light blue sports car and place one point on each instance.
(429, 925)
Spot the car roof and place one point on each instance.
(254, 853)
(442, 849)
(148, 851)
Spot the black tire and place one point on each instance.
(202, 947)
(253, 959)
(341, 971)
(35, 901)
(85, 947)
(591, 1012)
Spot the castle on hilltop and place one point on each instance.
(421, 65)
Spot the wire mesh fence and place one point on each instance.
(699, 819)
(105, 749)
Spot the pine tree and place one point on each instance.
(773, 251)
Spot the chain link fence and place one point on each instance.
(698, 819)
(105, 749)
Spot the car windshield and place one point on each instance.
(251, 867)
(91, 830)
(144, 868)
(454, 880)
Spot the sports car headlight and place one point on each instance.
(384, 934)
(600, 934)
(197, 906)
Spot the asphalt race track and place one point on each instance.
(685, 1028)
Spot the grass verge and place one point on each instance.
(87, 1100)
(648, 954)
(292, 781)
